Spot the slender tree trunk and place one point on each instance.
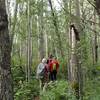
(97, 4)
(95, 45)
(41, 32)
(56, 29)
(46, 44)
(6, 86)
(69, 43)
(12, 30)
(77, 9)
(20, 53)
(29, 43)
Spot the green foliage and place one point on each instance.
(27, 91)
(92, 90)
(18, 69)
(58, 91)
(18, 74)
(62, 72)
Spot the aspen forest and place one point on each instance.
(39, 33)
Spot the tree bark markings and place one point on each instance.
(6, 86)
(74, 66)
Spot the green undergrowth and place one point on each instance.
(58, 91)
(55, 91)
(92, 89)
(27, 91)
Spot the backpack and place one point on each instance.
(54, 66)
(42, 73)
(42, 70)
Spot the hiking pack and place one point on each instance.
(41, 70)
(42, 73)
(54, 66)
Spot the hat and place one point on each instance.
(51, 56)
(44, 60)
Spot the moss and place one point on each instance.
(75, 85)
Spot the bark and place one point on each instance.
(46, 44)
(29, 44)
(95, 45)
(77, 9)
(79, 34)
(75, 69)
(56, 29)
(41, 32)
(6, 86)
(14, 22)
(97, 3)
(69, 42)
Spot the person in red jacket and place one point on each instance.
(54, 65)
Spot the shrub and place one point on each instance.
(57, 91)
(28, 91)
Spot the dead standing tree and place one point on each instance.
(74, 70)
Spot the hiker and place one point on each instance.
(54, 65)
(50, 59)
(48, 63)
(42, 73)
